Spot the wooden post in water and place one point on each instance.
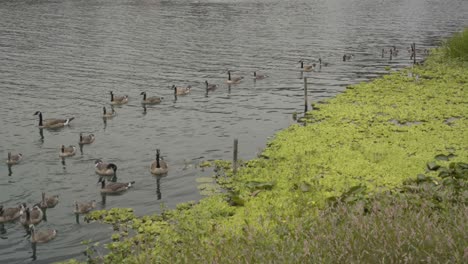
(234, 158)
(414, 53)
(305, 95)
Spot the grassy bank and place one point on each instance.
(376, 174)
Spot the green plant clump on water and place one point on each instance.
(377, 174)
(457, 46)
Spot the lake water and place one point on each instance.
(62, 57)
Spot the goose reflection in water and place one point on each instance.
(158, 187)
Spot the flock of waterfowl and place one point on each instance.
(107, 172)
(30, 216)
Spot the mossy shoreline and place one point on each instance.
(323, 189)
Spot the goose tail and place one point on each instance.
(68, 121)
(131, 183)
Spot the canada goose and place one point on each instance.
(159, 166)
(67, 151)
(114, 187)
(48, 202)
(323, 63)
(306, 68)
(88, 139)
(347, 57)
(84, 208)
(150, 100)
(108, 115)
(118, 100)
(210, 86)
(10, 214)
(14, 158)
(181, 90)
(105, 169)
(259, 76)
(233, 80)
(42, 236)
(53, 122)
(32, 216)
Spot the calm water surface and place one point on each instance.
(62, 57)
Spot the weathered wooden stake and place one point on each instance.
(234, 158)
(414, 53)
(305, 95)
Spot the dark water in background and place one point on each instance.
(63, 58)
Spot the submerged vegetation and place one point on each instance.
(376, 174)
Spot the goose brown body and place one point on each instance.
(114, 187)
(118, 100)
(48, 202)
(259, 76)
(159, 166)
(43, 235)
(32, 216)
(306, 68)
(86, 139)
(52, 122)
(150, 100)
(14, 158)
(104, 169)
(85, 207)
(105, 114)
(10, 214)
(233, 79)
(181, 90)
(67, 151)
(210, 86)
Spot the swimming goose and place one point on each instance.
(210, 86)
(67, 151)
(150, 100)
(181, 90)
(14, 158)
(84, 208)
(306, 68)
(33, 216)
(105, 169)
(323, 63)
(42, 236)
(108, 115)
(347, 57)
(88, 139)
(233, 80)
(52, 122)
(48, 202)
(259, 76)
(159, 166)
(10, 214)
(118, 100)
(114, 187)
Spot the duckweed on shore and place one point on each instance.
(376, 174)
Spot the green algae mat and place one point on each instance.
(373, 137)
